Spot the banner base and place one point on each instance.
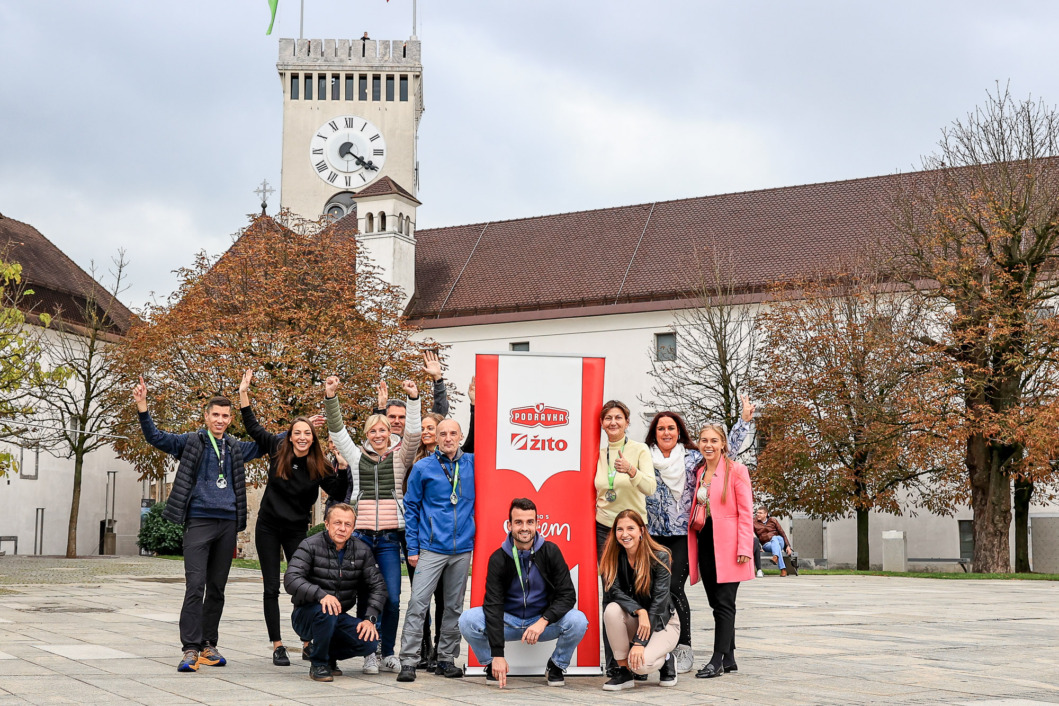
(570, 672)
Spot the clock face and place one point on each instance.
(347, 152)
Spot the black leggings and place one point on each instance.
(270, 541)
(678, 547)
(720, 595)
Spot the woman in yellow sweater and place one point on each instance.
(625, 476)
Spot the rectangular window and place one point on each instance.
(349, 87)
(29, 463)
(520, 346)
(321, 87)
(308, 87)
(404, 88)
(966, 539)
(363, 92)
(389, 87)
(336, 87)
(665, 346)
(294, 86)
(376, 87)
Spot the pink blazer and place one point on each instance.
(733, 525)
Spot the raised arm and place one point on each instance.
(432, 367)
(468, 441)
(336, 427)
(266, 442)
(741, 428)
(172, 444)
(413, 424)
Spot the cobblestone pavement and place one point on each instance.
(104, 631)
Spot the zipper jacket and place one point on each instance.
(432, 522)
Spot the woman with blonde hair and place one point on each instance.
(721, 537)
(378, 468)
(640, 620)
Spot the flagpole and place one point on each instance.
(301, 22)
(413, 18)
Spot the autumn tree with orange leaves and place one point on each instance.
(294, 304)
(855, 419)
(978, 238)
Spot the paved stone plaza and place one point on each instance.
(103, 631)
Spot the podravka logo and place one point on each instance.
(540, 415)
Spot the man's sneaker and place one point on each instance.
(622, 680)
(320, 672)
(189, 662)
(280, 658)
(391, 664)
(489, 676)
(333, 666)
(685, 658)
(667, 675)
(760, 574)
(554, 675)
(449, 670)
(408, 673)
(371, 664)
(639, 677)
(306, 649)
(211, 657)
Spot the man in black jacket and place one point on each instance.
(209, 499)
(323, 578)
(529, 597)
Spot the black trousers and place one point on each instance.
(720, 595)
(602, 533)
(208, 548)
(678, 547)
(428, 651)
(270, 541)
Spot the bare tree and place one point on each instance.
(716, 344)
(80, 412)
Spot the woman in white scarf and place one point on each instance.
(676, 460)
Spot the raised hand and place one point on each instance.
(470, 390)
(410, 388)
(748, 408)
(318, 420)
(139, 395)
(384, 395)
(432, 365)
(331, 385)
(245, 384)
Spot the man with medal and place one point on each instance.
(529, 596)
(209, 499)
(439, 531)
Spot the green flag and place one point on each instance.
(272, 6)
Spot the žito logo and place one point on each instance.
(525, 442)
(540, 415)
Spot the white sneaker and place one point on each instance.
(371, 664)
(685, 658)
(760, 574)
(391, 663)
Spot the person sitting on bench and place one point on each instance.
(773, 539)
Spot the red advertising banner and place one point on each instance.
(537, 436)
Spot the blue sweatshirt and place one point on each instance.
(527, 598)
(432, 522)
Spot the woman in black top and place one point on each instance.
(639, 617)
(297, 470)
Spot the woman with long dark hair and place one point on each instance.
(676, 463)
(297, 470)
(721, 538)
(641, 623)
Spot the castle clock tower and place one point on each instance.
(351, 109)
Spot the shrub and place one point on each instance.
(159, 535)
(315, 529)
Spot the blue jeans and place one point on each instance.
(775, 547)
(334, 636)
(387, 550)
(567, 633)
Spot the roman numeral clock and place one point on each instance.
(348, 151)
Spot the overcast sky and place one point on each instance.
(147, 125)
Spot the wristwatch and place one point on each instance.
(373, 619)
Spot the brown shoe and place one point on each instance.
(774, 559)
(783, 572)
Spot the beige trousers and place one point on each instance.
(621, 629)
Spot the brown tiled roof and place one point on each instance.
(56, 280)
(385, 187)
(638, 258)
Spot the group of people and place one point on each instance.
(666, 510)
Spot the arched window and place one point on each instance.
(369, 223)
(408, 225)
(400, 223)
(382, 222)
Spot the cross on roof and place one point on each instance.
(264, 191)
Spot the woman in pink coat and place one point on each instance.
(723, 544)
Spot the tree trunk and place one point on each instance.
(862, 540)
(75, 504)
(1023, 494)
(991, 503)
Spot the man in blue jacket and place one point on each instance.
(209, 499)
(439, 530)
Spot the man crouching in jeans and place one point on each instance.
(529, 596)
(323, 578)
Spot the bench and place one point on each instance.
(964, 562)
(11, 539)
